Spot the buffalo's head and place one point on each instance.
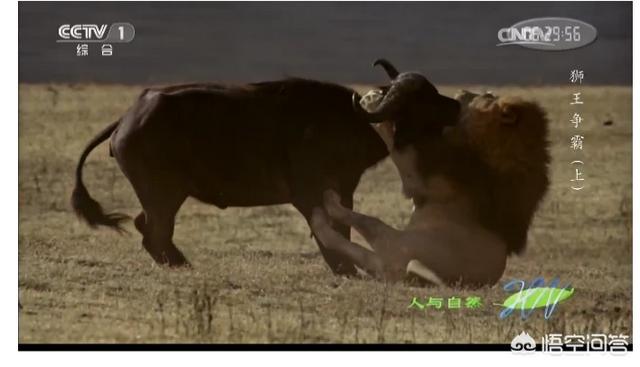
(413, 104)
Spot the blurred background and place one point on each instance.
(452, 43)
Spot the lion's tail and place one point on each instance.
(82, 203)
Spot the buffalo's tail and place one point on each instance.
(83, 204)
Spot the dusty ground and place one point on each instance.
(259, 278)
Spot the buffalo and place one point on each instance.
(263, 143)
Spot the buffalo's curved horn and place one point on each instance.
(388, 67)
(402, 85)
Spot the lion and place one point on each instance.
(475, 189)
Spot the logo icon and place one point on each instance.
(96, 33)
(548, 34)
(536, 296)
(523, 343)
(81, 31)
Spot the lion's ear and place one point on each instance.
(508, 114)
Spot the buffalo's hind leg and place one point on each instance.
(156, 223)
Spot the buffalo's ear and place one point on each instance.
(508, 114)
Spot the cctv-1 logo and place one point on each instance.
(116, 33)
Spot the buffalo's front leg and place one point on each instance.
(307, 194)
(315, 168)
(338, 263)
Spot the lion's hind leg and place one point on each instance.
(363, 258)
(379, 235)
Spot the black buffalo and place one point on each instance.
(258, 144)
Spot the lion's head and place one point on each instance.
(510, 135)
(509, 132)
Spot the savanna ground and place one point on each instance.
(258, 277)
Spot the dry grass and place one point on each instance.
(259, 278)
